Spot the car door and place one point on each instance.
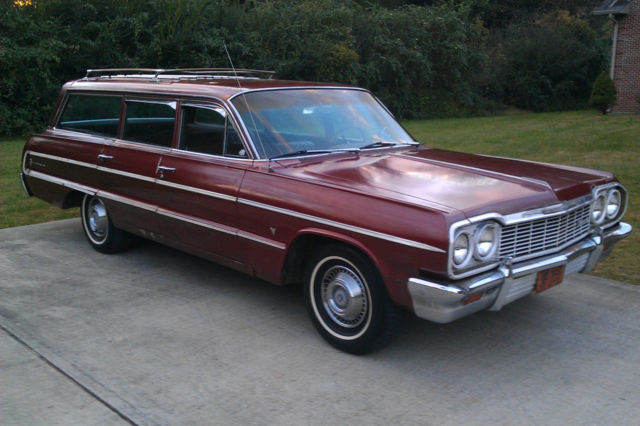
(70, 150)
(201, 179)
(129, 164)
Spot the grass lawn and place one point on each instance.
(580, 138)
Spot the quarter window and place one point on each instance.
(208, 130)
(150, 122)
(91, 114)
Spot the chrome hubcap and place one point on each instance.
(97, 215)
(344, 296)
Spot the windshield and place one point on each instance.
(288, 122)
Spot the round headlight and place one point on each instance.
(614, 202)
(599, 209)
(486, 241)
(461, 249)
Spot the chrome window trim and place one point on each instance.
(270, 89)
(80, 136)
(140, 146)
(171, 102)
(162, 98)
(211, 105)
(65, 100)
(345, 226)
(259, 157)
(245, 201)
(340, 151)
(211, 156)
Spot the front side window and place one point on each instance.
(208, 130)
(150, 122)
(290, 121)
(94, 114)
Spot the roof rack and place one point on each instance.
(179, 73)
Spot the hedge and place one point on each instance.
(422, 61)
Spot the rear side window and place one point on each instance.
(93, 114)
(150, 122)
(208, 130)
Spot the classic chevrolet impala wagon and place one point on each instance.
(298, 182)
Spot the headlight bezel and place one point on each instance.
(605, 192)
(474, 262)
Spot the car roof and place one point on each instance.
(218, 87)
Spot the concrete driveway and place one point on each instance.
(155, 336)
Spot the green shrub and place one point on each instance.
(422, 61)
(550, 64)
(603, 94)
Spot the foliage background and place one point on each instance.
(422, 58)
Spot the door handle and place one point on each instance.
(162, 170)
(102, 157)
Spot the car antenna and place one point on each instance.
(246, 103)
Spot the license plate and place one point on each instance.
(549, 278)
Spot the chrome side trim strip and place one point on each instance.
(257, 238)
(221, 228)
(64, 160)
(197, 190)
(62, 182)
(341, 225)
(127, 174)
(126, 200)
(200, 222)
(134, 176)
(250, 236)
(150, 207)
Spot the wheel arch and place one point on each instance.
(306, 241)
(73, 199)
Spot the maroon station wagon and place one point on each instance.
(299, 182)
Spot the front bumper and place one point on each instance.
(447, 301)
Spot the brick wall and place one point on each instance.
(626, 73)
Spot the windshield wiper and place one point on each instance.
(301, 152)
(381, 144)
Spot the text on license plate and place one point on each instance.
(549, 278)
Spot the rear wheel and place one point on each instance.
(99, 229)
(347, 300)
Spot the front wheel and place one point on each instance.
(347, 300)
(99, 229)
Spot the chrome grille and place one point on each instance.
(540, 235)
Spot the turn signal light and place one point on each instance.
(471, 298)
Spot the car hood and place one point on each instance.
(447, 181)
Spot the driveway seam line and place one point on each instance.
(69, 376)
